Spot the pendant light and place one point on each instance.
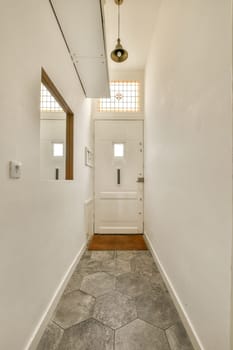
(119, 54)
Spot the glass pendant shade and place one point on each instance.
(119, 54)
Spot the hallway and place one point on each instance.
(115, 300)
(90, 145)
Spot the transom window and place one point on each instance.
(48, 102)
(124, 97)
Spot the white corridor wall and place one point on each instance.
(41, 222)
(188, 164)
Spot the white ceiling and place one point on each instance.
(138, 19)
(82, 27)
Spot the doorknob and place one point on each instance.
(140, 179)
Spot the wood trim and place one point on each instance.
(69, 122)
(54, 91)
(69, 146)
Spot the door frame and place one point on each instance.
(110, 117)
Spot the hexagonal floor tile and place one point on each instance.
(51, 337)
(143, 253)
(132, 284)
(98, 283)
(145, 256)
(74, 282)
(88, 265)
(109, 266)
(86, 255)
(143, 264)
(157, 283)
(122, 266)
(178, 338)
(88, 335)
(73, 308)
(139, 335)
(115, 309)
(125, 254)
(157, 309)
(103, 255)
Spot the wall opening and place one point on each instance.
(56, 133)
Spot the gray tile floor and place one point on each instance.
(115, 300)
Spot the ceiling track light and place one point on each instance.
(119, 54)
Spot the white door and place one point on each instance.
(119, 177)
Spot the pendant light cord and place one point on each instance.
(118, 20)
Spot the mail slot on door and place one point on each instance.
(140, 179)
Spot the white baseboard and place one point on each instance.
(179, 306)
(45, 319)
(89, 218)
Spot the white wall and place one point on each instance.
(41, 222)
(188, 183)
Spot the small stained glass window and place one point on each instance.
(48, 102)
(124, 97)
(58, 149)
(118, 149)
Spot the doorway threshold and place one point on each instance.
(117, 242)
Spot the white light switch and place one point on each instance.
(15, 169)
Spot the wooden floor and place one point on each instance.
(117, 242)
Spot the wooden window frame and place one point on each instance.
(69, 123)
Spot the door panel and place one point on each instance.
(118, 195)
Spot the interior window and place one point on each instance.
(56, 133)
(118, 149)
(58, 149)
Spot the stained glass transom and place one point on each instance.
(124, 97)
(48, 102)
